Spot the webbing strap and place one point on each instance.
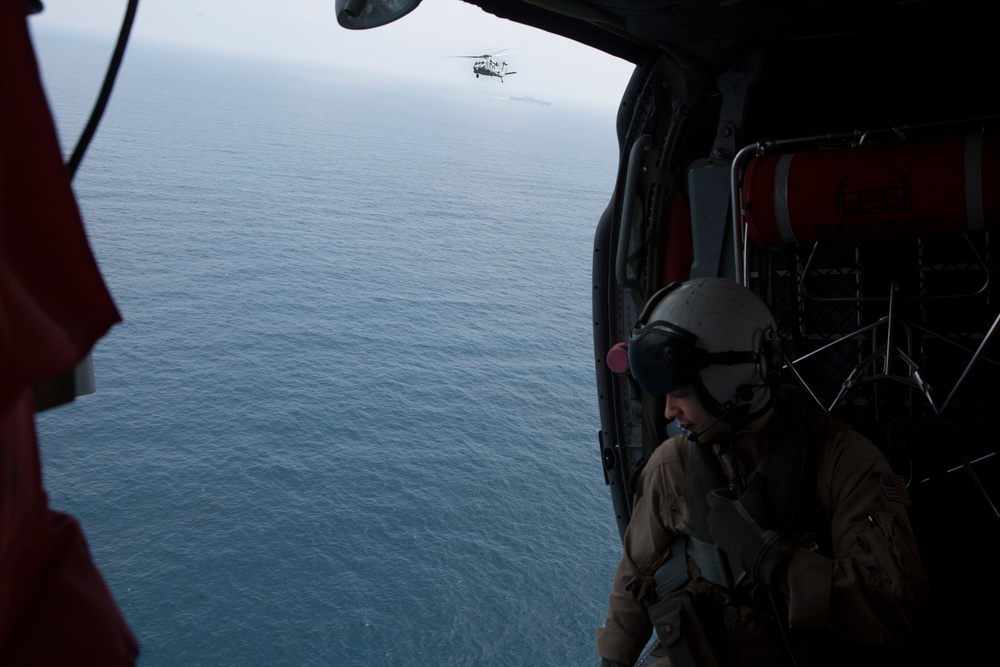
(715, 564)
(673, 574)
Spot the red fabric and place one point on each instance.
(53, 303)
(678, 252)
(55, 609)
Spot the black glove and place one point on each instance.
(737, 525)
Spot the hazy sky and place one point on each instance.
(415, 47)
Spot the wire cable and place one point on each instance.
(102, 100)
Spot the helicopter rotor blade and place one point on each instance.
(487, 55)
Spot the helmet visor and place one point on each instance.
(663, 358)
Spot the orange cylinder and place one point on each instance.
(910, 187)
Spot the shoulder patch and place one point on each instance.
(894, 487)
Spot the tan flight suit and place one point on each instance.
(866, 593)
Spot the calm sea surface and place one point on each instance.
(350, 415)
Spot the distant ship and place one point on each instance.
(530, 99)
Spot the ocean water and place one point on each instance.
(350, 416)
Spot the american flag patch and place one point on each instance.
(894, 487)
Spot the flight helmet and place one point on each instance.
(713, 335)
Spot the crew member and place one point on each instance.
(768, 532)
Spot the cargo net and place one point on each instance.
(888, 333)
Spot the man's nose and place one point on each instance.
(671, 410)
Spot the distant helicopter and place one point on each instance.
(487, 66)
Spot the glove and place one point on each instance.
(736, 526)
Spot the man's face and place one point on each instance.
(683, 406)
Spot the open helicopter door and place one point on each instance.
(877, 254)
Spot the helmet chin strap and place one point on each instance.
(727, 409)
(694, 436)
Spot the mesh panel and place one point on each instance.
(832, 302)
